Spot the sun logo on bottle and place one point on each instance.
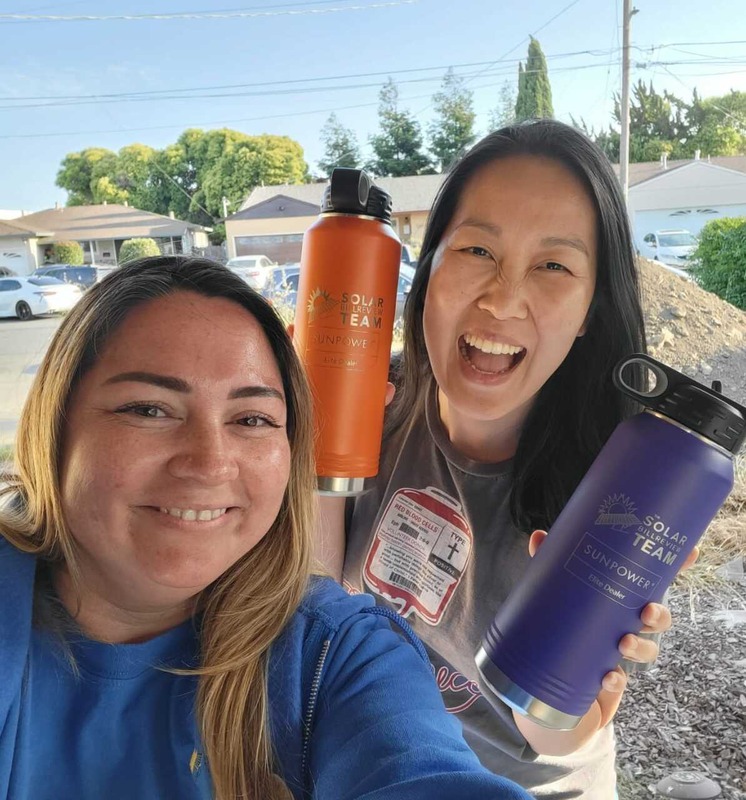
(618, 511)
(320, 303)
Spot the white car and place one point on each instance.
(673, 247)
(27, 297)
(255, 270)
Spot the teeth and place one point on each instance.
(190, 515)
(494, 348)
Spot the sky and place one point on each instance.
(265, 66)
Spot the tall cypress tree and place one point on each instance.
(534, 99)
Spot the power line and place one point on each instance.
(197, 15)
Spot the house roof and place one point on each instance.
(411, 193)
(110, 221)
(417, 192)
(14, 229)
(644, 171)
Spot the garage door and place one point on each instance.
(280, 248)
(14, 259)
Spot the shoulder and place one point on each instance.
(352, 619)
(327, 602)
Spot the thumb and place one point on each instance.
(390, 392)
(291, 329)
(534, 542)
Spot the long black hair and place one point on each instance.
(577, 408)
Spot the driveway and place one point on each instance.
(22, 345)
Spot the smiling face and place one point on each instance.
(175, 456)
(510, 287)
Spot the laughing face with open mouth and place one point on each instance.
(510, 287)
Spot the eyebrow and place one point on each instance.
(561, 241)
(575, 242)
(179, 385)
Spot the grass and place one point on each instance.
(6, 452)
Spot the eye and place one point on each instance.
(147, 410)
(554, 266)
(479, 252)
(256, 421)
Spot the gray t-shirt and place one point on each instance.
(433, 539)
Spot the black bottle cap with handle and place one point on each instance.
(702, 409)
(351, 191)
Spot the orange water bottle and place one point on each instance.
(344, 321)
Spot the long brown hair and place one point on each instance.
(244, 611)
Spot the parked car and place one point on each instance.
(253, 269)
(407, 256)
(282, 286)
(84, 276)
(28, 297)
(672, 247)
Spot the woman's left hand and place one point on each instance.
(655, 618)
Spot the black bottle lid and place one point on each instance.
(351, 191)
(702, 409)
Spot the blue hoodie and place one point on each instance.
(354, 710)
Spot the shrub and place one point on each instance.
(720, 259)
(68, 253)
(137, 248)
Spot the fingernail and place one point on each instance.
(632, 643)
(654, 614)
(612, 682)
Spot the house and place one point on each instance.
(685, 194)
(663, 194)
(27, 242)
(273, 219)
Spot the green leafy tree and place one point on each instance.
(720, 259)
(189, 177)
(397, 149)
(68, 253)
(504, 113)
(452, 130)
(534, 100)
(79, 171)
(340, 146)
(137, 248)
(253, 161)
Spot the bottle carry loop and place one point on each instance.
(702, 409)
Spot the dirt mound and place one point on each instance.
(694, 331)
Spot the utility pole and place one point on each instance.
(225, 207)
(624, 138)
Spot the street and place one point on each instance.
(22, 345)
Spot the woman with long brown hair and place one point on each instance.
(160, 632)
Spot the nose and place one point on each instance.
(504, 298)
(204, 455)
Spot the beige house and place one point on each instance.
(27, 242)
(273, 219)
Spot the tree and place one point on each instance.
(76, 173)
(452, 131)
(720, 259)
(68, 253)
(188, 177)
(397, 149)
(504, 113)
(254, 161)
(137, 248)
(340, 146)
(534, 100)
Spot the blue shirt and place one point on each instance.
(354, 711)
(76, 728)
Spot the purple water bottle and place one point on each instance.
(617, 545)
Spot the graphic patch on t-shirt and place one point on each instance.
(459, 693)
(419, 552)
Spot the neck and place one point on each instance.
(488, 441)
(104, 619)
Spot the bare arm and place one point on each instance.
(329, 535)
